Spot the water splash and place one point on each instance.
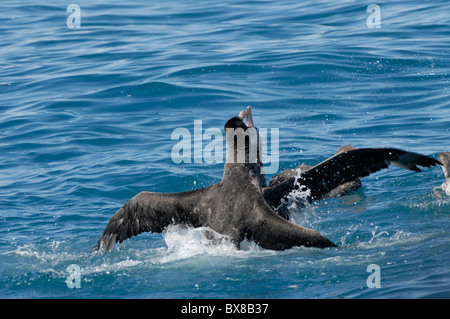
(186, 242)
(376, 236)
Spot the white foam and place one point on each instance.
(384, 239)
(186, 242)
(113, 267)
(55, 255)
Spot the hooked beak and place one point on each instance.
(247, 113)
(249, 122)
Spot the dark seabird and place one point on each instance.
(240, 206)
(444, 157)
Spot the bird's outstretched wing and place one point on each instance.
(149, 212)
(288, 173)
(345, 167)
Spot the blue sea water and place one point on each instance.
(86, 122)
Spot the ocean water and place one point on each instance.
(87, 114)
